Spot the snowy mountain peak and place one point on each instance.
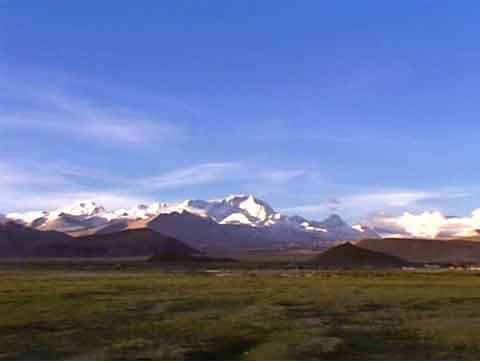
(367, 232)
(257, 208)
(156, 207)
(360, 228)
(235, 197)
(26, 218)
(246, 209)
(334, 221)
(140, 207)
(81, 208)
(195, 203)
(234, 209)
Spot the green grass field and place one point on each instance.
(147, 314)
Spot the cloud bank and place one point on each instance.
(426, 225)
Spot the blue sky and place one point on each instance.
(314, 106)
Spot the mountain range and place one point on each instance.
(195, 227)
(235, 222)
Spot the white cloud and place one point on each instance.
(35, 185)
(13, 200)
(58, 112)
(386, 199)
(121, 130)
(426, 225)
(312, 208)
(216, 172)
(20, 175)
(26, 185)
(197, 174)
(279, 175)
(368, 201)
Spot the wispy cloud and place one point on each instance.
(387, 199)
(197, 174)
(20, 175)
(44, 109)
(334, 132)
(35, 184)
(109, 126)
(30, 186)
(281, 175)
(17, 200)
(217, 172)
(377, 201)
(26, 185)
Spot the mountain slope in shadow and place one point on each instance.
(20, 241)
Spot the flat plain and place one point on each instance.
(135, 312)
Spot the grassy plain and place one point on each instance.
(146, 313)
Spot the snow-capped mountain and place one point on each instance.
(231, 210)
(28, 218)
(239, 219)
(86, 209)
(79, 215)
(368, 232)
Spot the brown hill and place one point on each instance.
(426, 250)
(20, 241)
(134, 242)
(348, 255)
